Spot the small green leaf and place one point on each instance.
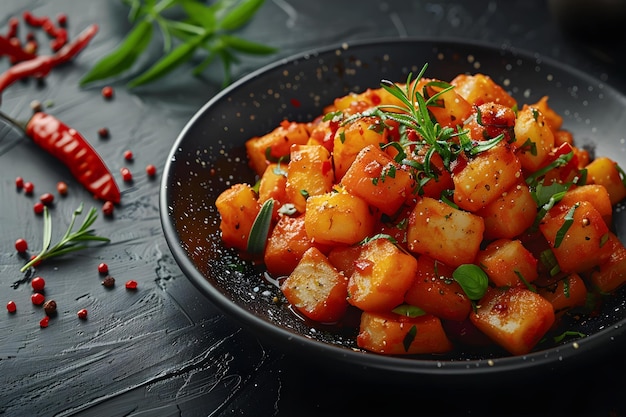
(569, 220)
(240, 14)
(472, 279)
(260, 228)
(246, 46)
(122, 58)
(200, 14)
(408, 310)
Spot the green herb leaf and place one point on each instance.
(568, 333)
(240, 15)
(71, 240)
(409, 338)
(472, 279)
(408, 310)
(569, 219)
(246, 46)
(260, 228)
(124, 56)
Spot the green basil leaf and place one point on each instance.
(260, 228)
(122, 58)
(472, 279)
(240, 14)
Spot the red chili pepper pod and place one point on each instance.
(71, 148)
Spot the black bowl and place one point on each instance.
(209, 156)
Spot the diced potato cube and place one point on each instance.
(508, 263)
(510, 214)
(344, 258)
(309, 173)
(338, 218)
(350, 139)
(489, 120)
(533, 138)
(443, 232)
(393, 334)
(378, 179)
(553, 119)
(451, 109)
(515, 318)
(435, 291)
(480, 88)
(603, 171)
(316, 289)
(286, 244)
(270, 147)
(273, 185)
(486, 177)
(596, 194)
(612, 273)
(583, 245)
(238, 208)
(381, 276)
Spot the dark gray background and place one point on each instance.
(164, 350)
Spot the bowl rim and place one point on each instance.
(579, 349)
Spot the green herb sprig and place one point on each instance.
(71, 241)
(413, 115)
(204, 27)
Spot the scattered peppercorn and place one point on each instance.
(107, 91)
(50, 307)
(131, 285)
(43, 323)
(126, 174)
(19, 183)
(103, 268)
(21, 245)
(38, 207)
(108, 281)
(37, 298)
(151, 170)
(36, 106)
(107, 208)
(11, 306)
(82, 314)
(103, 132)
(47, 198)
(62, 188)
(29, 187)
(38, 284)
(128, 155)
(62, 19)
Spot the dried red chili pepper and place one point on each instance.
(71, 148)
(40, 66)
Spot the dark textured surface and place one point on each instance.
(164, 350)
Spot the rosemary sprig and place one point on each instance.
(71, 241)
(188, 27)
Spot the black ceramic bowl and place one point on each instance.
(209, 156)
